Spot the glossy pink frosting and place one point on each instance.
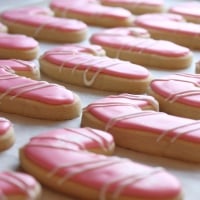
(17, 65)
(158, 122)
(96, 178)
(83, 61)
(190, 8)
(8, 180)
(17, 41)
(142, 45)
(90, 9)
(4, 126)
(175, 84)
(165, 23)
(50, 94)
(36, 18)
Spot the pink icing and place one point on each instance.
(95, 171)
(137, 2)
(109, 66)
(90, 9)
(187, 9)
(4, 125)
(130, 118)
(179, 83)
(18, 65)
(132, 31)
(143, 45)
(50, 93)
(15, 183)
(17, 41)
(165, 23)
(28, 18)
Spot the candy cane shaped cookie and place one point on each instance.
(18, 185)
(38, 23)
(7, 137)
(189, 10)
(99, 72)
(135, 127)
(167, 26)
(94, 176)
(18, 46)
(37, 99)
(137, 7)
(92, 13)
(21, 67)
(178, 94)
(143, 51)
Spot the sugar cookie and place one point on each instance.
(92, 13)
(137, 7)
(189, 10)
(18, 46)
(144, 130)
(21, 68)
(171, 27)
(99, 72)
(37, 99)
(18, 186)
(178, 94)
(144, 51)
(94, 176)
(36, 22)
(7, 137)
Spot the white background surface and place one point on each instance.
(187, 173)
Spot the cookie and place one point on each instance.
(189, 10)
(36, 99)
(134, 127)
(178, 94)
(171, 27)
(7, 137)
(137, 7)
(36, 22)
(94, 176)
(21, 68)
(92, 13)
(99, 72)
(17, 46)
(19, 186)
(144, 51)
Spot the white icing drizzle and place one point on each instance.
(189, 75)
(80, 146)
(8, 76)
(33, 68)
(96, 138)
(11, 178)
(25, 87)
(7, 69)
(114, 120)
(125, 181)
(173, 139)
(152, 101)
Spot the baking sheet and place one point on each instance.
(25, 128)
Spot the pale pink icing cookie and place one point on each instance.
(18, 46)
(144, 51)
(147, 131)
(137, 7)
(167, 26)
(94, 176)
(36, 22)
(178, 94)
(92, 13)
(7, 137)
(189, 10)
(37, 99)
(18, 186)
(21, 68)
(99, 72)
